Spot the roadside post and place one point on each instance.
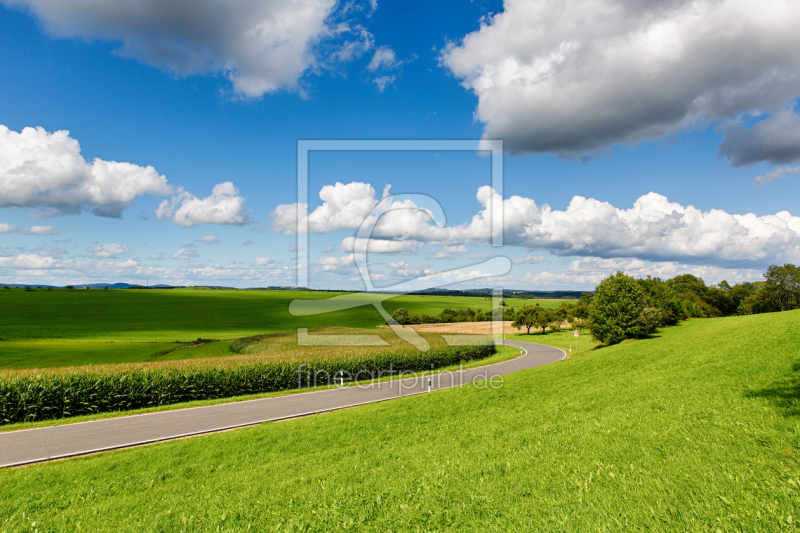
(575, 334)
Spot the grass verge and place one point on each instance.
(686, 431)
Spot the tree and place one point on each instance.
(401, 316)
(662, 296)
(543, 318)
(70, 287)
(526, 317)
(621, 310)
(783, 286)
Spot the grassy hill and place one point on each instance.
(696, 429)
(60, 327)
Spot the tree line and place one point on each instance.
(623, 307)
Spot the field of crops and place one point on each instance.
(273, 362)
(42, 329)
(695, 429)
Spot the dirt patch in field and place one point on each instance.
(471, 328)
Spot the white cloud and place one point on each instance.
(223, 206)
(589, 271)
(450, 252)
(775, 139)
(109, 250)
(47, 171)
(576, 76)
(36, 268)
(383, 58)
(32, 230)
(39, 230)
(653, 228)
(185, 254)
(381, 246)
(264, 261)
(331, 262)
(343, 207)
(209, 239)
(157, 257)
(776, 174)
(383, 81)
(259, 46)
(402, 269)
(528, 260)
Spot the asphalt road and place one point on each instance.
(44, 444)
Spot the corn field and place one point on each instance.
(86, 390)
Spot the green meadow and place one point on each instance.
(65, 328)
(694, 429)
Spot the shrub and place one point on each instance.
(621, 310)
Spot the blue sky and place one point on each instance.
(593, 114)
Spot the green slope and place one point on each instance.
(185, 314)
(696, 429)
(67, 328)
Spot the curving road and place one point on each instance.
(45, 444)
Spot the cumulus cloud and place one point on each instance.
(332, 262)
(381, 246)
(264, 261)
(775, 139)
(528, 260)
(343, 207)
(576, 76)
(589, 271)
(38, 268)
(652, 229)
(383, 81)
(185, 254)
(39, 230)
(260, 47)
(47, 171)
(31, 230)
(223, 206)
(157, 257)
(383, 57)
(450, 252)
(402, 269)
(776, 174)
(109, 250)
(346, 206)
(209, 239)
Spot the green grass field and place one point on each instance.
(64, 328)
(563, 339)
(695, 429)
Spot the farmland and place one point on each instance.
(274, 365)
(694, 429)
(64, 328)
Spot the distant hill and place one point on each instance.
(556, 295)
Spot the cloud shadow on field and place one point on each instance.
(783, 394)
